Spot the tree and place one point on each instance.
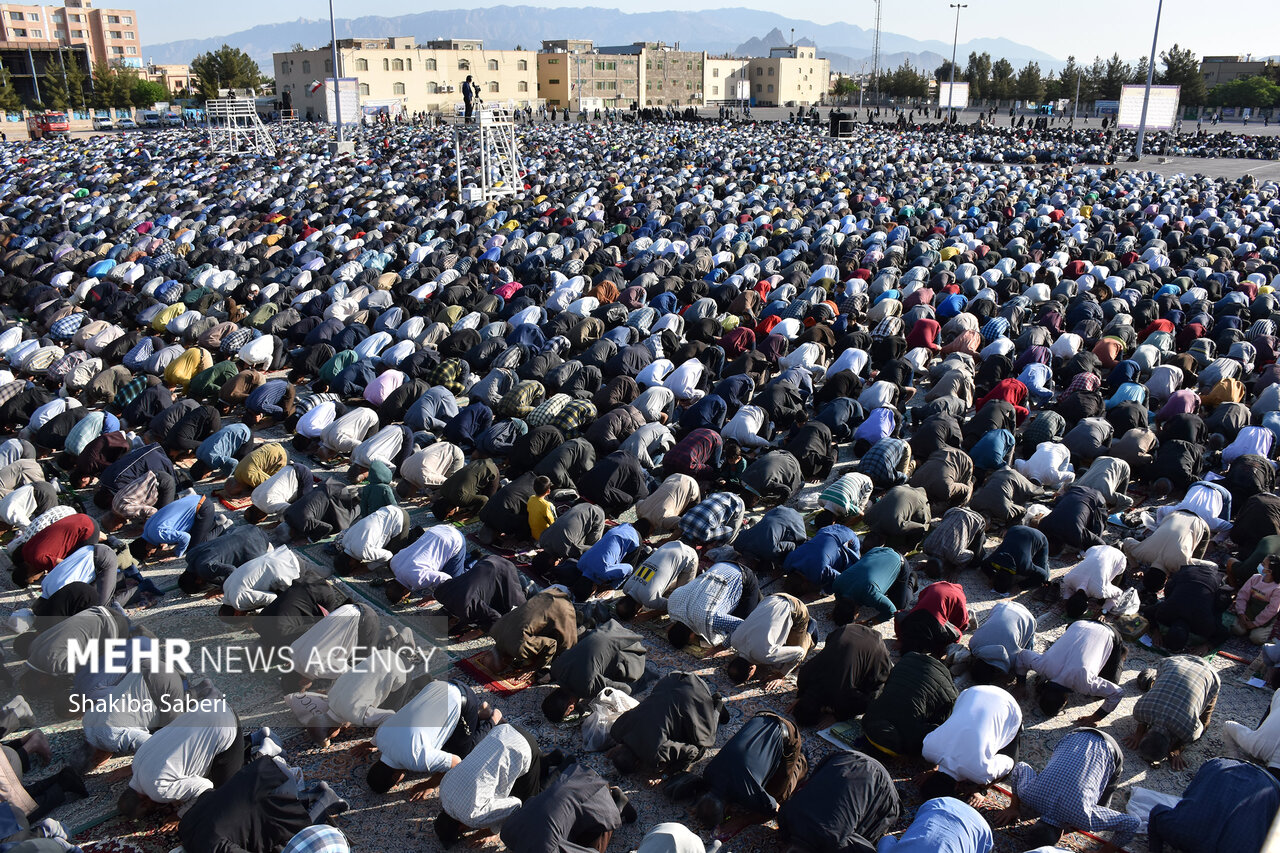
(1245, 92)
(943, 73)
(1140, 71)
(978, 74)
(1182, 68)
(225, 68)
(9, 100)
(846, 87)
(1030, 86)
(1115, 74)
(298, 48)
(145, 93)
(1002, 80)
(52, 88)
(75, 80)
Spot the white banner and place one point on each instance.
(1162, 111)
(348, 91)
(949, 99)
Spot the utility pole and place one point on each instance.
(955, 41)
(35, 82)
(1146, 96)
(1076, 109)
(875, 55)
(341, 146)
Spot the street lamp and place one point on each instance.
(341, 146)
(955, 40)
(1146, 96)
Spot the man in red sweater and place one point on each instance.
(937, 620)
(51, 546)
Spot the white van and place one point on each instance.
(150, 118)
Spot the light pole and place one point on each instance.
(341, 146)
(955, 41)
(1146, 96)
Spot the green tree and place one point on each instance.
(943, 73)
(1245, 92)
(145, 93)
(978, 75)
(225, 68)
(1002, 80)
(52, 89)
(1030, 85)
(1116, 74)
(1182, 68)
(76, 80)
(9, 100)
(1140, 71)
(846, 87)
(1055, 88)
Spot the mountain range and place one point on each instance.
(733, 31)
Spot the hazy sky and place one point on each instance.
(1082, 27)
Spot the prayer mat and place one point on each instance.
(237, 504)
(478, 667)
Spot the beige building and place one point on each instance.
(789, 76)
(574, 72)
(110, 35)
(399, 73)
(1224, 69)
(175, 78)
(723, 78)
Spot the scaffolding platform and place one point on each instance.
(487, 155)
(235, 128)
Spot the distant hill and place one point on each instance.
(718, 31)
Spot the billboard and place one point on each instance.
(1162, 111)
(348, 92)
(953, 99)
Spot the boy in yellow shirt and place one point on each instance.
(542, 512)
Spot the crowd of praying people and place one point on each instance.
(782, 405)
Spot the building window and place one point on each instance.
(464, 64)
(131, 50)
(397, 65)
(770, 70)
(431, 65)
(553, 61)
(113, 19)
(493, 65)
(408, 64)
(128, 20)
(397, 88)
(759, 71)
(16, 16)
(37, 34)
(522, 86)
(433, 88)
(607, 66)
(116, 50)
(364, 88)
(362, 65)
(386, 65)
(688, 66)
(493, 87)
(114, 34)
(18, 33)
(553, 82)
(306, 66)
(715, 90)
(522, 65)
(128, 35)
(759, 87)
(770, 87)
(79, 19)
(715, 72)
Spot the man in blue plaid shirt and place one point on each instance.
(716, 520)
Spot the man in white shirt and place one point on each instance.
(1260, 745)
(489, 785)
(1050, 466)
(684, 380)
(365, 695)
(649, 442)
(275, 493)
(344, 434)
(1210, 501)
(431, 734)
(1094, 578)
(656, 403)
(438, 555)
(1086, 659)
(375, 539)
(747, 427)
(195, 753)
(776, 635)
(977, 745)
(670, 566)
(254, 585)
(26, 502)
(332, 646)
(430, 467)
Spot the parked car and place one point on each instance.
(172, 120)
(127, 124)
(150, 118)
(102, 123)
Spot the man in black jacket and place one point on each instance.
(608, 656)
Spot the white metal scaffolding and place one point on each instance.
(487, 155)
(234, 127)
